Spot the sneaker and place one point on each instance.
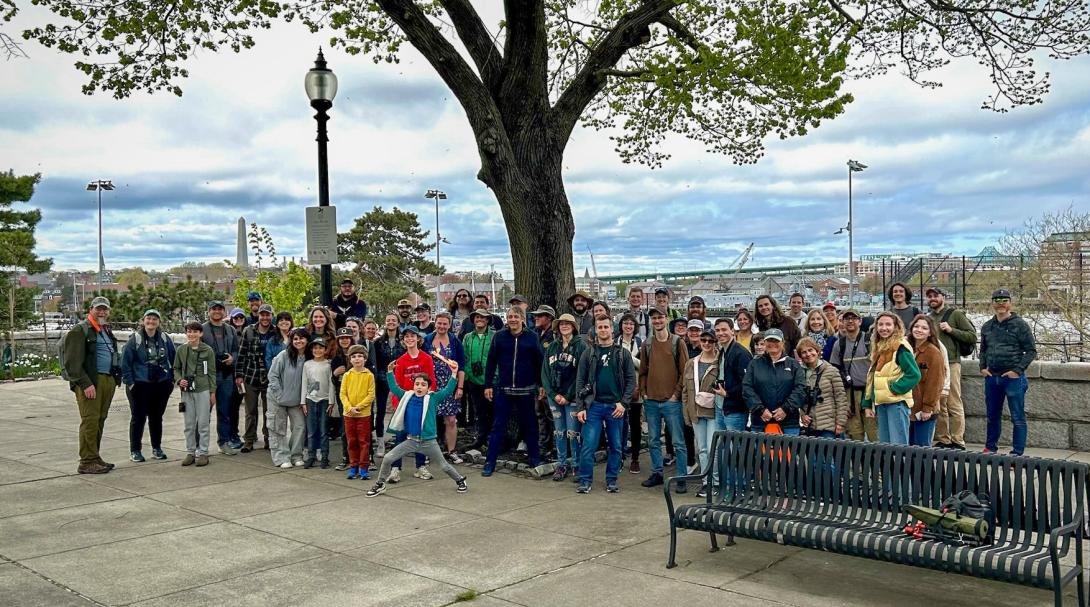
(987, 450)
(380, 448)
(363, 474)
(635, 467)
(236, 443)
(188, 460)
(342, 466)
(423, 473)
(668, 460)
(247, 447)
(653, 481)
(286, 465)
(136, 456)
(351, 473)
(309, 463)
(227, 449)
(522, 447)
(703, 491)
(453, 457)
(560, 473)
(957, 447)
(324, 464)
(202, 460)
(693, 469)
(297, 463)
(681, 488)
(583, 488)
(377, 489)
(462, 487)
(395, 476)
(158, 454)
(488, 469)
(612, 487)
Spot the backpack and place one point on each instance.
(674, 344)
(964, 349)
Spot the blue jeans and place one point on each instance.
(225, 391)
(566, 434)
(892, 423)
(317, 438)
(703, 431)
(597, 414)
(920, 434)
(996, 389)
(731, 421)
(522, 407)
(656, 411)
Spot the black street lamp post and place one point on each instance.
(321, 87)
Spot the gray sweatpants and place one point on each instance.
(282, 446)
(429, 448)
(196, 419)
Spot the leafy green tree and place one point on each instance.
(177, 302)
(133, 276)
(287, 291)
(724, 74)
(387, 250)
(17, 245)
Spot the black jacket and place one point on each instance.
(773, 386)
(733, 363)
(1006, 346)
(514, 361)
(386, 353)
(624, 371)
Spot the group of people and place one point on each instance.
(568, 382)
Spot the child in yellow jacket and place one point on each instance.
(357, 396)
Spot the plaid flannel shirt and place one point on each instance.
(251, 358)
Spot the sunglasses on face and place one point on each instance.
(705, 340)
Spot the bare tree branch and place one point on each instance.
(477, 39)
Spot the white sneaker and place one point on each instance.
(522, 447)
(286, 465)
(298, 463)
(380, 448)
(423, 473)
(395, 476)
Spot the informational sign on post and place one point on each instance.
(321, 235)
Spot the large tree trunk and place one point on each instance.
(539, 222)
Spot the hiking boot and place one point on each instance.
(653, 481)
(158, 454)
(136, 456)
(635, 467)
(612, 487)
(103, 462)
(377, 489)
(188, 460)
(560, 473)
(583, 488)
(462, 487)
(202, 460)
(92, 468)
(423, 473)
(395, 476)
(247, 447)
(310, 463)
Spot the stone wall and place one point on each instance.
(1057, 406)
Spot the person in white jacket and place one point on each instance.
(318, 395)
(285, 406)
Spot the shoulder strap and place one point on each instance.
(946, 315)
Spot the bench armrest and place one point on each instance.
(679, 479)
(1075, 527)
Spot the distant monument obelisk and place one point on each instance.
(240, 254)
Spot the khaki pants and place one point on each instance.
(859, 425)
(92, 417)
(253, 395)
(950, 427)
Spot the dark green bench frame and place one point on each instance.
(846, 496)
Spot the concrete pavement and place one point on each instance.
(240, 532)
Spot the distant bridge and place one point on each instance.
(804, 268)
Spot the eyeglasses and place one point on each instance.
(1001, 300)
(707, 341)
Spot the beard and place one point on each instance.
(579, 308)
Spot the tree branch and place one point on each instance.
(630, 31)
(526, 51)
(477, 39)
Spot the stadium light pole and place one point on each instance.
(854, 166)
(97, 186)
(437, 195)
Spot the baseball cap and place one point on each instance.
(100, 302)
(152, 312)
(252, 295)
(347, 281)
(344, 332)
(215, 304)
(775, 334)
(236, 312)
(423, 306)
(695, 323)
(655, 312)
(516, 298)
(547, 310)
(696, 299)
(265, 308)
(850, 312)
(1001, 294)
(414, 330)
(316, 341)
(662, 291)
(934, 289)
(403, 303)
(829, 304)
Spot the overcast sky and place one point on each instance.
(944, 175)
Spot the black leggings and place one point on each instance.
(148, 402)
(635, 429)
(378, 412)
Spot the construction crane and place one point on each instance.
(737, 266)
(594, 268)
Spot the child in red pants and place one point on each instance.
(357, 396)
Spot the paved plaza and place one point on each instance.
(240, 532)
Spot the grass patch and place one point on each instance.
(468, 595)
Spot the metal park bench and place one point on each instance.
(846, 497)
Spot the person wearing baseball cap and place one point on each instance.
(1007, 347)
(147, 368)
(698, 311)
(423, 320)
(957, 335)
(254, 302)
(851, 356)
(252, 376)
(831, 317)
(662, 302)
(558, 380)
(404, 315)
(91, 364)
(347, 304)
(775, 386)
(225, 343)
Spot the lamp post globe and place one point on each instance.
(321, 87)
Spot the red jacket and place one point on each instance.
(407, 366)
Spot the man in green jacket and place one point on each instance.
(476, 343)
(955, 331)
(91, 363)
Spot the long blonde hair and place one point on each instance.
(829, 330)
(880, 346)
